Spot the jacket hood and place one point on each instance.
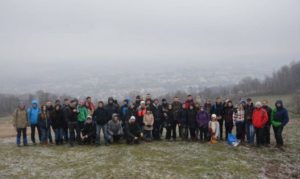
(279, 102)
(35, 102)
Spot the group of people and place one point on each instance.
(81, 122)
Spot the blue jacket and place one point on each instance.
(281, 114)
(33, 113)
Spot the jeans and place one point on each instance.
(21, 131)
(148, 135)
(33, 127)
(250, 133)
(278, 135)
(45, 135)
(58, 135)
(98, 132)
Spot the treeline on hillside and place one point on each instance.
(8, 102)
(284, 81)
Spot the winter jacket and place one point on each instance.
(148, 121)
(259, 118)
(249, 113)
(20, 118)
(191, 118)
(44, 120)
(269, 112)
(176, 109)
(89, 129)
(183, 117)
(203, 119)
(189, 103)
(239, 116)
(111, 109)
(33, 113)
(133, 130)
(57, 119)
(214, 128)
(82, 113)
(228, 114)
(70, 115)
(217, 109)
(100, 116)
(280, 116)
(114, 128)
(157, 112)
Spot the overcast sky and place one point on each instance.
(56, 31)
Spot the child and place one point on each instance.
(214, 129)
(148, 121)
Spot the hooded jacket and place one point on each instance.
(57, 117)
(100, 116)
(260, 117)
(279, 115)
(20, 118)
(33, 113)
(203, 119)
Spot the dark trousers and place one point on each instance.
(192, 133)
(228, 128)
(50, 135)
(203, 134)
(259, 136)
(278, 135)
(21, 131)
(45, 135)
(80, 126)
(221, 121)
(240, 131)
(66, 133)
(72, 128)
(156, 130)
(267, 135)
(33, 127)
(171, 129)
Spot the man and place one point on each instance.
(114, 129)
(259, 118)
(228, 118)
(280, 119)
(50, 110)
(248, 121)
(71, 114)
(100, 116)
(110, 107)
(65, 123)
(176, 112)
(157, 113)
(90, 105)
(82, 116)
(133, 131)
(20, 123)
(189, 101)
(123, 111)
(88, 132)
(268, 124)
(33, 114)
(218, 109)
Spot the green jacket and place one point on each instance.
(83, 114)
(275, 122)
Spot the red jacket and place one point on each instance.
(259, 118)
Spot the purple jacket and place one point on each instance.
(203, 119)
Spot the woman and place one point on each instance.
(148, 121)
(44, 124)
(170, 123)
(239, 120)
(58, 124)
(203, 119)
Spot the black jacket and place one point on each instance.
(191, 118)
(57, 119)
(132, 130)
(100, 116)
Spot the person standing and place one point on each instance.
(203, 119)
(33, 115)
(228, 117)
(280, 119)
(260, 118)
(268, 124)
(100, 116)
(148, 121)
(239, 120)
(20, 123)
(57, 117)
(249, 108)
(71, 114)
(218, 109)
(44, 124)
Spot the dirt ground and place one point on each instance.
(151, 160)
